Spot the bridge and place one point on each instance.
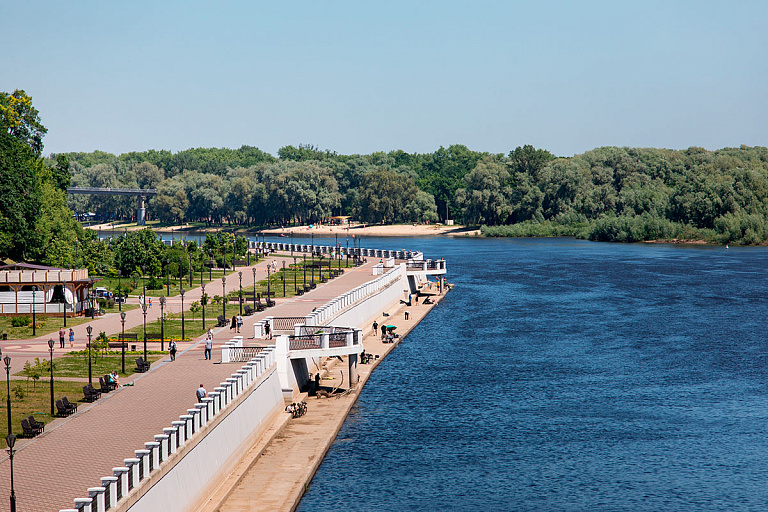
(141, 193)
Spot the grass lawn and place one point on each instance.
(37, 400)
(75, 364)
(111, 283)
(48, 324)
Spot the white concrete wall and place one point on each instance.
(189, 481)
(362, 313)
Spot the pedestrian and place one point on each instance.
(208, 346)
(233, 324)
(239, 323)
(150, 302)
(407, 313)
(71, 338)
(172, 350)
(266, 330)
(317, 382)
(375, 326)
(62, 334)
(201, 393)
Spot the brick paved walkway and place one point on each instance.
(73, 453)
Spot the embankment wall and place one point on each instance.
(200, 470)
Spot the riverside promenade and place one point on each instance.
(275, 473)
(73, 453)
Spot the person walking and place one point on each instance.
(201, 393)
(62, 334)
(71, 338)
(172, 350)
(239, 323)
(208, 346)
(266, 330)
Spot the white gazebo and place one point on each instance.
(46, 289)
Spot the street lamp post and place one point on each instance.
(269, 293)
(167, 277)
(89, 330)
(144, 309)
(224, 296)
(34, 306)
(122, 338)
(65, 301)
(50, 346)
(203, 300)
(119, 291)
(283, 278)
(10, 439)
(7, 361)
(240, 274)
(254, 288)
(347, 251)
(294, 274)
(305, 268)
(181, 292)
(162, 323)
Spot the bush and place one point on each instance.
(155, 284)
(20, 321)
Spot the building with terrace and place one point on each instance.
(47, 290)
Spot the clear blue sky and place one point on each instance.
(358, 77)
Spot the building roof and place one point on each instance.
(28, 266)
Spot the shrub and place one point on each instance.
(20, 321)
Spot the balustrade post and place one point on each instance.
(110, 483)
(154, 447)
(203, 413)
(222, 390)
(195, 414)
(215, 397)
(181, 430)
(122, 474)
(133, 466)
(143, 456)
(84, 504)
(173, 438)
(97, 495)
(188, 425)
(163, 440)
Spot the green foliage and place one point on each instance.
(18, 392)
(20, 321)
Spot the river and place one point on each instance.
(567, 375)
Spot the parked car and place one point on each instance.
(100, 292)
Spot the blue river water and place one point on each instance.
(567, 375)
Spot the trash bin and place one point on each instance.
(5, 337)
(133, 348)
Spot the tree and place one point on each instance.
(21, 120)
(20, 197)
(486, 198)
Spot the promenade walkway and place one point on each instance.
(73, 453)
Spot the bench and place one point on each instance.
(29, 431)
(90, 394)
(154, 336)
(128, 336)
(141, 365)
(62, 409)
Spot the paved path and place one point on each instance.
(73, 453)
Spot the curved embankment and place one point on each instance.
(277, 469)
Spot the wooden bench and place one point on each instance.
(132, 336)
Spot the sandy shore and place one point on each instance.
(377, 230)
(324, 230)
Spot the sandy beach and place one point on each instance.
(377, 230)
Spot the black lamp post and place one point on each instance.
(240, 274)
(65, 301)
(181, 292)
(201, 266)
(10, 439)
(347, 251)
(89, 330)
(7, 361)
(254, 288)
(144, 309)
(294, 260)
(34, 327)
(50, 346)
(162, 323)
(268, 281)
(305, 268)
(119, 291)
(224, 296)
(167, 277)
(203, 300)
(210, 266)
(294, 273)
(283, 278)
(122, 338)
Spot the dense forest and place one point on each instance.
(609, 193)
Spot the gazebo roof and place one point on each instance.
(28, 266)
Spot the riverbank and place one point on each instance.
(364, 230)
(279, 467)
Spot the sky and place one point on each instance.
(357, 77)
